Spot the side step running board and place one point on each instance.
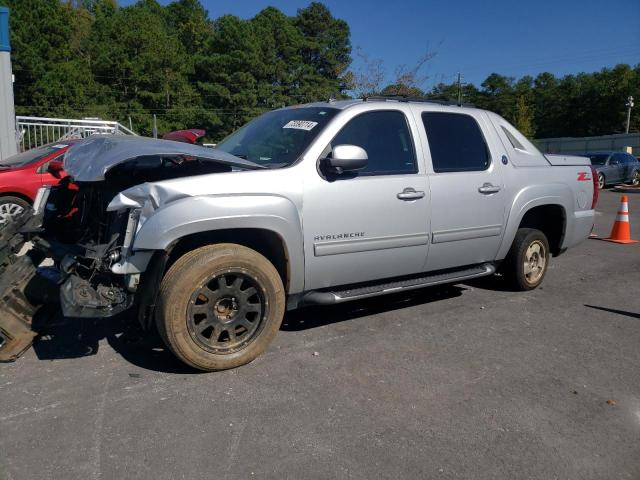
(384, 288)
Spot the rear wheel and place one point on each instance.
(220, 306)
(601, 181)
(526, 263)
(11, 207)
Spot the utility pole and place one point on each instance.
(629, 106)
(459, 90)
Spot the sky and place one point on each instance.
(513, 38)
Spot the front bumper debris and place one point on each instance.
(16, 309)
(79, 298)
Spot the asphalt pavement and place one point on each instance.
(467, 381)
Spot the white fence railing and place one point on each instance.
(37, 131)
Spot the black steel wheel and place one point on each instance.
(226, 313)
(220, 306)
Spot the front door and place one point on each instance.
(616, 168)
(371, 224)
(468, 196)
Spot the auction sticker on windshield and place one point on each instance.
(301, 124)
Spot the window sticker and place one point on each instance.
(301, 124)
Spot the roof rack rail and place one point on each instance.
(408, 98)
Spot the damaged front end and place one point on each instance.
(87, 228)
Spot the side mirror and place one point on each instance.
(346, 158)
(55, 167)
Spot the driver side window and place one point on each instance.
(386, 138)
(617, 159)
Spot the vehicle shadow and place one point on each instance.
(318, 316)
(494, 283)
(65, 338)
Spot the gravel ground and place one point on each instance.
(464, 381)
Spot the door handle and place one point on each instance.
(410, 194)
(488, 188)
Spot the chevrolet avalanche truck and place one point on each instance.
(308, 205)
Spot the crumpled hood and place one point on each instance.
(90, 159)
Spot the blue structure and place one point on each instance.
(8, 139)
(5, 42)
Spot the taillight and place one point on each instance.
(596, 189)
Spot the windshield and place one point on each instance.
(599, 159)
(31, 156)
(276, 139)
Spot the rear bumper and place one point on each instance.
(580, 228)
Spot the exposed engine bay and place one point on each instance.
(72, 225)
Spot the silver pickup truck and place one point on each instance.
(313, 204)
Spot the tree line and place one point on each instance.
(93, 58)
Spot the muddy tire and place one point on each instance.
(11, 208)
(527, 261)
(220, 306)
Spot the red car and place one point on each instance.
(193, 135)
(23, 174)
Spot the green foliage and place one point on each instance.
(524, 117)
(93, 58)
(82, 58)
(402, 89)
(546, 106)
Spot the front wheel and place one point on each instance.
(220, 306)
(635, 178)
(526, 263)
(601, 181)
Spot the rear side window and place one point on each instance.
(456, 142)
(513, 140)
(385, 137)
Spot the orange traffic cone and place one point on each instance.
(620, 232)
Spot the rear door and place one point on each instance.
(468, 196)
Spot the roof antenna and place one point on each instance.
(459, 91)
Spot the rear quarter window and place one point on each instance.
(456, 142)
